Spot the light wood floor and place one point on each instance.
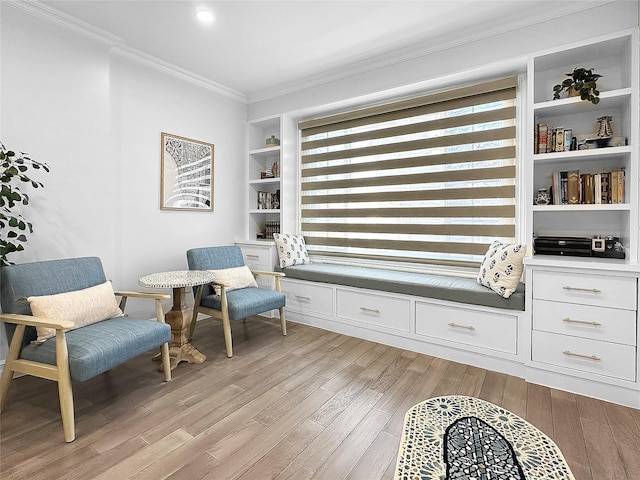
(313, 404)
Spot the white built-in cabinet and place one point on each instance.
(584, 310)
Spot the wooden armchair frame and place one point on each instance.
(223, 314)
(60, 371)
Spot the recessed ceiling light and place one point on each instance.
(205, 16)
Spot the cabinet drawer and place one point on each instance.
(308, 298)
(258, 258)
(480, 329)
(586, 289)
(586, 355)
(597, 323)
(380, 310)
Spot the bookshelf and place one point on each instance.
(614, 57)
(264, 184)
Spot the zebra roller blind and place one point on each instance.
(429, 179)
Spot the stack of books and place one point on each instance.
(548, 139)
(571, 187)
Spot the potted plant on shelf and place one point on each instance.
(13, 226)
(582, 81)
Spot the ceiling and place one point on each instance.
(259, 48)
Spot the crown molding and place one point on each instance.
(117, 46)
(170, 69)
(411, 51)
(66, 21)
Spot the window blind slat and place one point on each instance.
(446, 176)
(505, 211)
(443, 141)
(441, 247)
(409, 162)
(412, 196)
(412, 229)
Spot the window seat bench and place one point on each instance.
(440, 287)
(448, 317)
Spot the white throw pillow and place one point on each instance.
(235, 278)
(291, 249)
(82, 307)
(501, 268)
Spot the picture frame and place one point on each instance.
(186, 182)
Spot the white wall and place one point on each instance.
(96, 118)
(457, 59)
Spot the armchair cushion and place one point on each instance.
(234, 278)
(101, 346)
(245, 302)
(83, 307)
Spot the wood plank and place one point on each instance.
(539, 408)
(277, 462)
(602, 452)
(350, 451)
(568, 434)
(325, 444)
(375, 462)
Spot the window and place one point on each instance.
(428, 179)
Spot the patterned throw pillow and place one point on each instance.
(501, 268)
(291, 249)
(82, 307)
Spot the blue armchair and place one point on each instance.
(236, 304)
(71, 353)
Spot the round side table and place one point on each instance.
(180, 349)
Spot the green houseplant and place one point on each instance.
(582, 81)
(13, 226)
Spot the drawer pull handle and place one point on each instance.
(248, 255)
(581, 322)
(303, 297)
(579, 289)
(466, 327)
(579, 355)
(370, 310)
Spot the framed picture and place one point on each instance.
(187, 174)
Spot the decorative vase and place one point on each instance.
(272, 141)
(542, 197)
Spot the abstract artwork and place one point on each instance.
(187, 174)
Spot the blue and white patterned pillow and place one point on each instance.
(291, 249)
(501, 268)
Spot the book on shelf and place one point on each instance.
(587, 188)
(573, 187)
(568, 132)
(559, 140)
(542, 138)
(605, 190)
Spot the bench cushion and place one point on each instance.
(441, 287)
(96, 348)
